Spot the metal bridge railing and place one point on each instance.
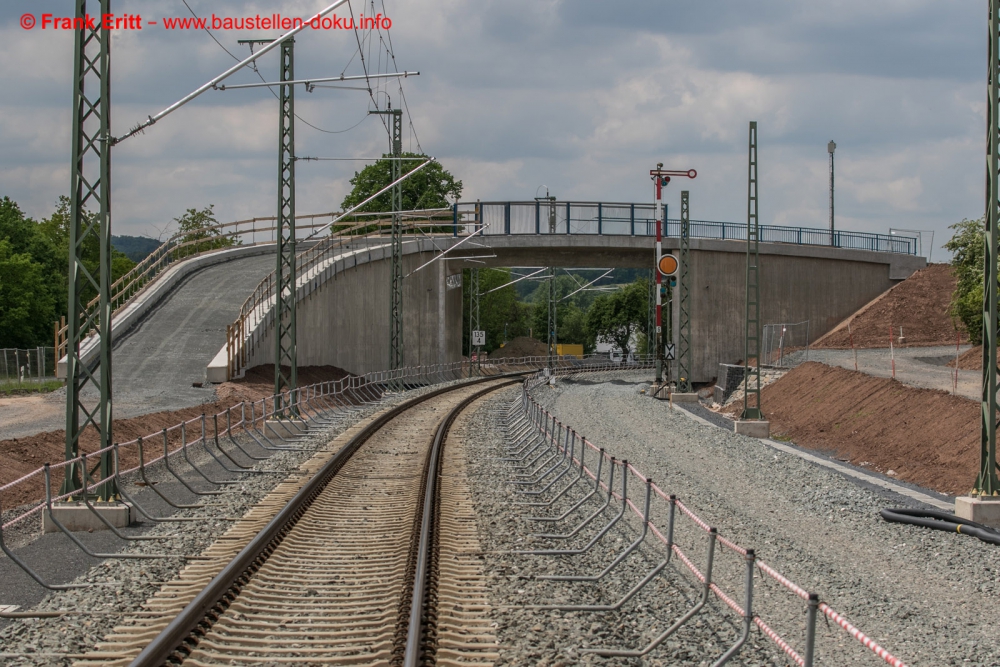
(188, 245)
(629, 219)
(488, 218)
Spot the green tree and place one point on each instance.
(27, 305)
(196, 226)
(501, 315)
(431, 187)
(45, 245)
(968, 247)
(614, 318)
(28, 237)
(573, 328)
(55, 229)
(34, 270)
(571, 309)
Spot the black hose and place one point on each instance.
(937, 520)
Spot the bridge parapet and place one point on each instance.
(631, 219)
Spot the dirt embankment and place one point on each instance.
(19, 456)
(919, 305)
(522, 346)
(925, 436)
(971, 359)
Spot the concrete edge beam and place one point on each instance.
(981, 510)
(77, 517)
(753, 429)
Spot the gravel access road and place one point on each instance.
(923, 595)
(155, 364)
(925, 367)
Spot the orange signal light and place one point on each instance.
(667, 265)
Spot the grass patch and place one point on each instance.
(9, 388)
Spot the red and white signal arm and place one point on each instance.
(668, 264)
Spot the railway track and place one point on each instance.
(364, 556)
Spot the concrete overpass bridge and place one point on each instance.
(176, 324)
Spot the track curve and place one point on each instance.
(329, 578)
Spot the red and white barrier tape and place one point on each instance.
(777, 639)
(727, 600)
(764, 567)
(687, 561)
(865, 640)
(694, 517)
(774, 574)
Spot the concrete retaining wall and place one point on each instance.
(820, 284)
(343, 314)
(822, 291)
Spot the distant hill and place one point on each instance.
(137, 248)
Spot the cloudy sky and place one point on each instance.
(580, 95)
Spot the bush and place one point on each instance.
(968, 247)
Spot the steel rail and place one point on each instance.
(174, 643)
(419, 619)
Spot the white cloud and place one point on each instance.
(582, 96)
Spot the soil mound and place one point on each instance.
(522, 346)
(919, 305)
(927, 437)
(19, 456)
(970, 360)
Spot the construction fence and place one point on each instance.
(33, 365)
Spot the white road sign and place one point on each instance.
(671, 351)
(479, 338)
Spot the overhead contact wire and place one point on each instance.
(253, 66)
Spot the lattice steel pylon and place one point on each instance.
(667, 294)
(396, 242)
(987, 483)
(684, 300)
(474, 318)
(751, 347)
(90, 184)
(553, 341)
(285, 342)
(396, 296)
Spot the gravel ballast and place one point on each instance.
(926, 596)
(923, 595)
(125, 585)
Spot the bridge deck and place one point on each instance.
(156, 362)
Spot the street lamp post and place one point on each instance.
(830, 147)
